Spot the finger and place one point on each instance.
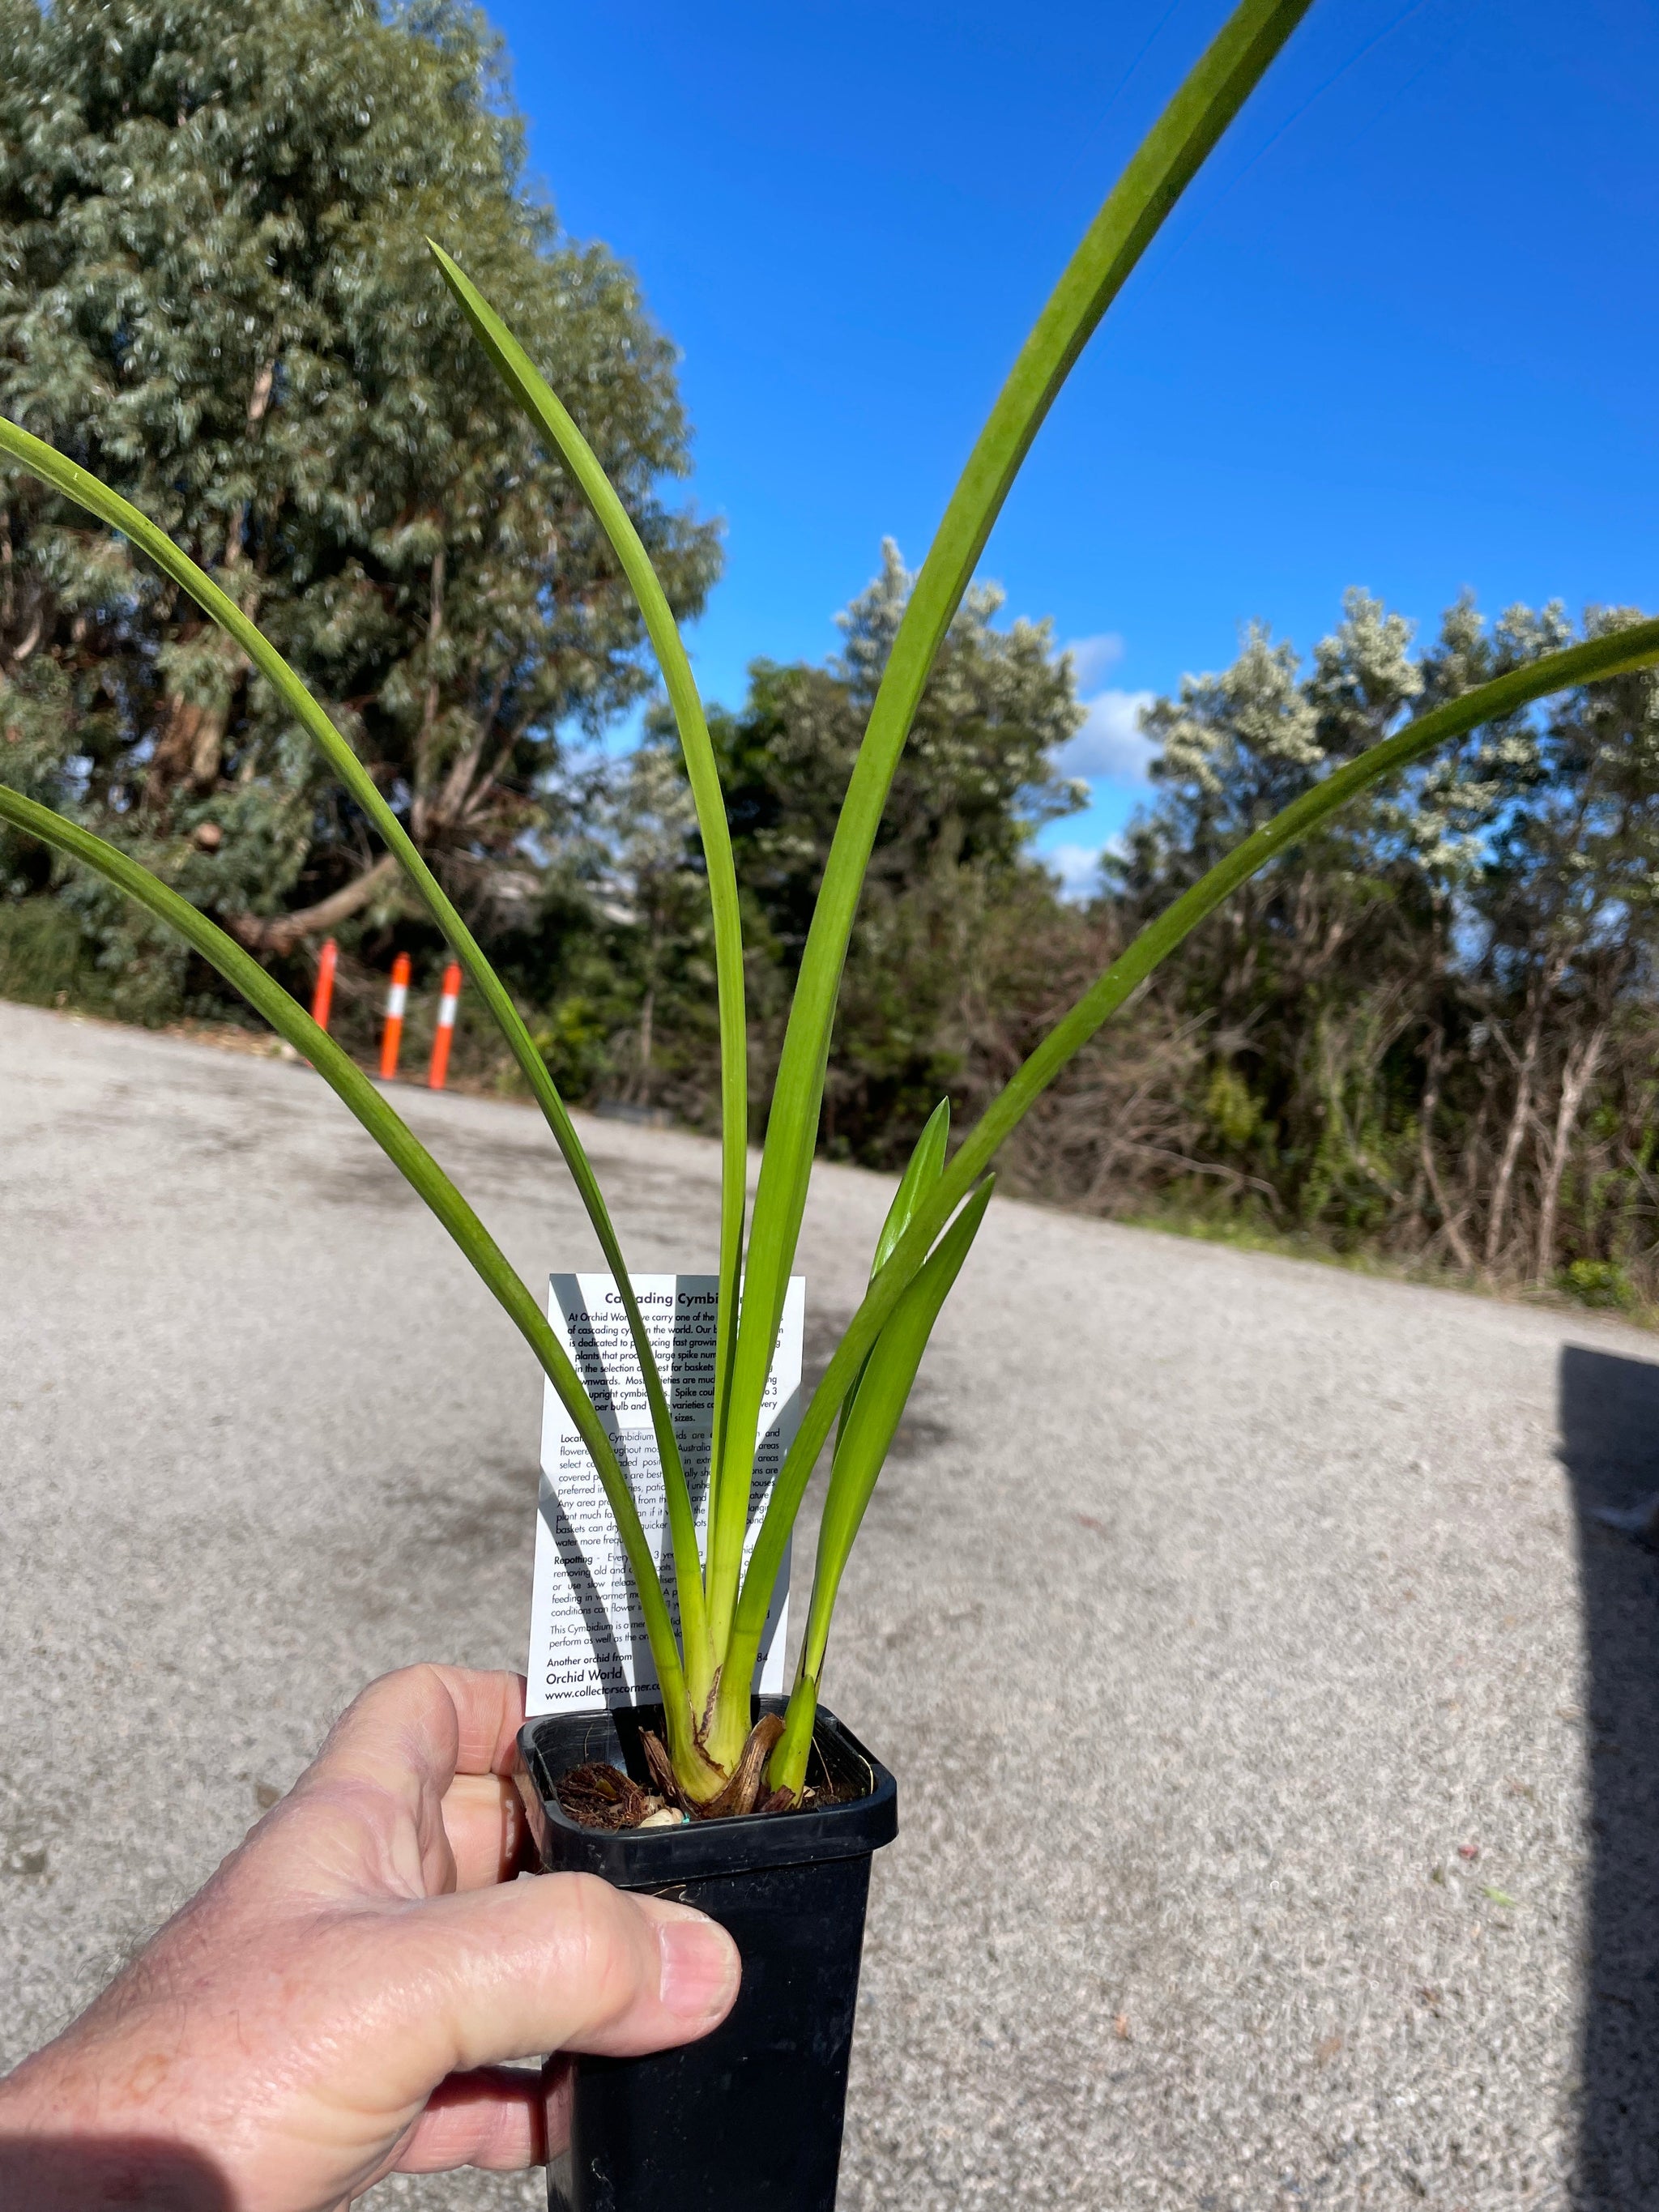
(491, 2118)
(554, 1962)
(489, 1714)
(371, 1802)
(425, 1725)
(484, 1821)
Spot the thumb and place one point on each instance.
(561, 1962)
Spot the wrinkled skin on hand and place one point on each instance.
(339, 2001)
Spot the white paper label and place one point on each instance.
(587, 1640)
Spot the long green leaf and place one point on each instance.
(884, 1391)
(1155, 179)
(77, 485)
(1619, 653)
(553, 419)
(418, 1167)
(923, 1170)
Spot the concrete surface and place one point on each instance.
(1213, 1603)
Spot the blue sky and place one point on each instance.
(1402, 333)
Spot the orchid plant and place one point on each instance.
(718, 1757)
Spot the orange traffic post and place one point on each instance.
(391, 1036)
(442, 1036)
(322, 998)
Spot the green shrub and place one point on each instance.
(1231, 1107)
(1599, 1283)
(44, 961)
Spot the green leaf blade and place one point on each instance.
(884, 1391)
(923, 1170)
(550, 416)
(1170, 155)
(1616, 654)
(77, 485)
(407, 1154)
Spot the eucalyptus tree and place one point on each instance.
(978, 776)
(213, 293)
(1406, 1021)
(1316, 969)
(1568, 902)
(653, 889)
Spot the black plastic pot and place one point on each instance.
(749, 2118)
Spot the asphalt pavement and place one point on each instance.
(1276, 1726)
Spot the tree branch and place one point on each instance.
(281, 932)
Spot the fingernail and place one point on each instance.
(699, 1969)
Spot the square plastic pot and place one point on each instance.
(748, 2119)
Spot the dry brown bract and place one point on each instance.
(601, 1797)
(745, 1792)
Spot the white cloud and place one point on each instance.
(1092, 658)
(1077, 868)
(1109, 743)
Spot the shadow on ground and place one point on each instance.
(1609, 1410)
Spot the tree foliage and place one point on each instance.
(977, 776)
(214, 293)
(1434, 1030)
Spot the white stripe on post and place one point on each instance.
(438, 1074)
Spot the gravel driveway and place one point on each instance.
(1277, 1735)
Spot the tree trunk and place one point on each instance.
(420, 813)
(259, 401)
(1449, 1223)
(1576, 1079)
(190, 748)
(647, 1014)
(281, 932)
(1497, 1221)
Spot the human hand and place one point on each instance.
(336, 2003)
